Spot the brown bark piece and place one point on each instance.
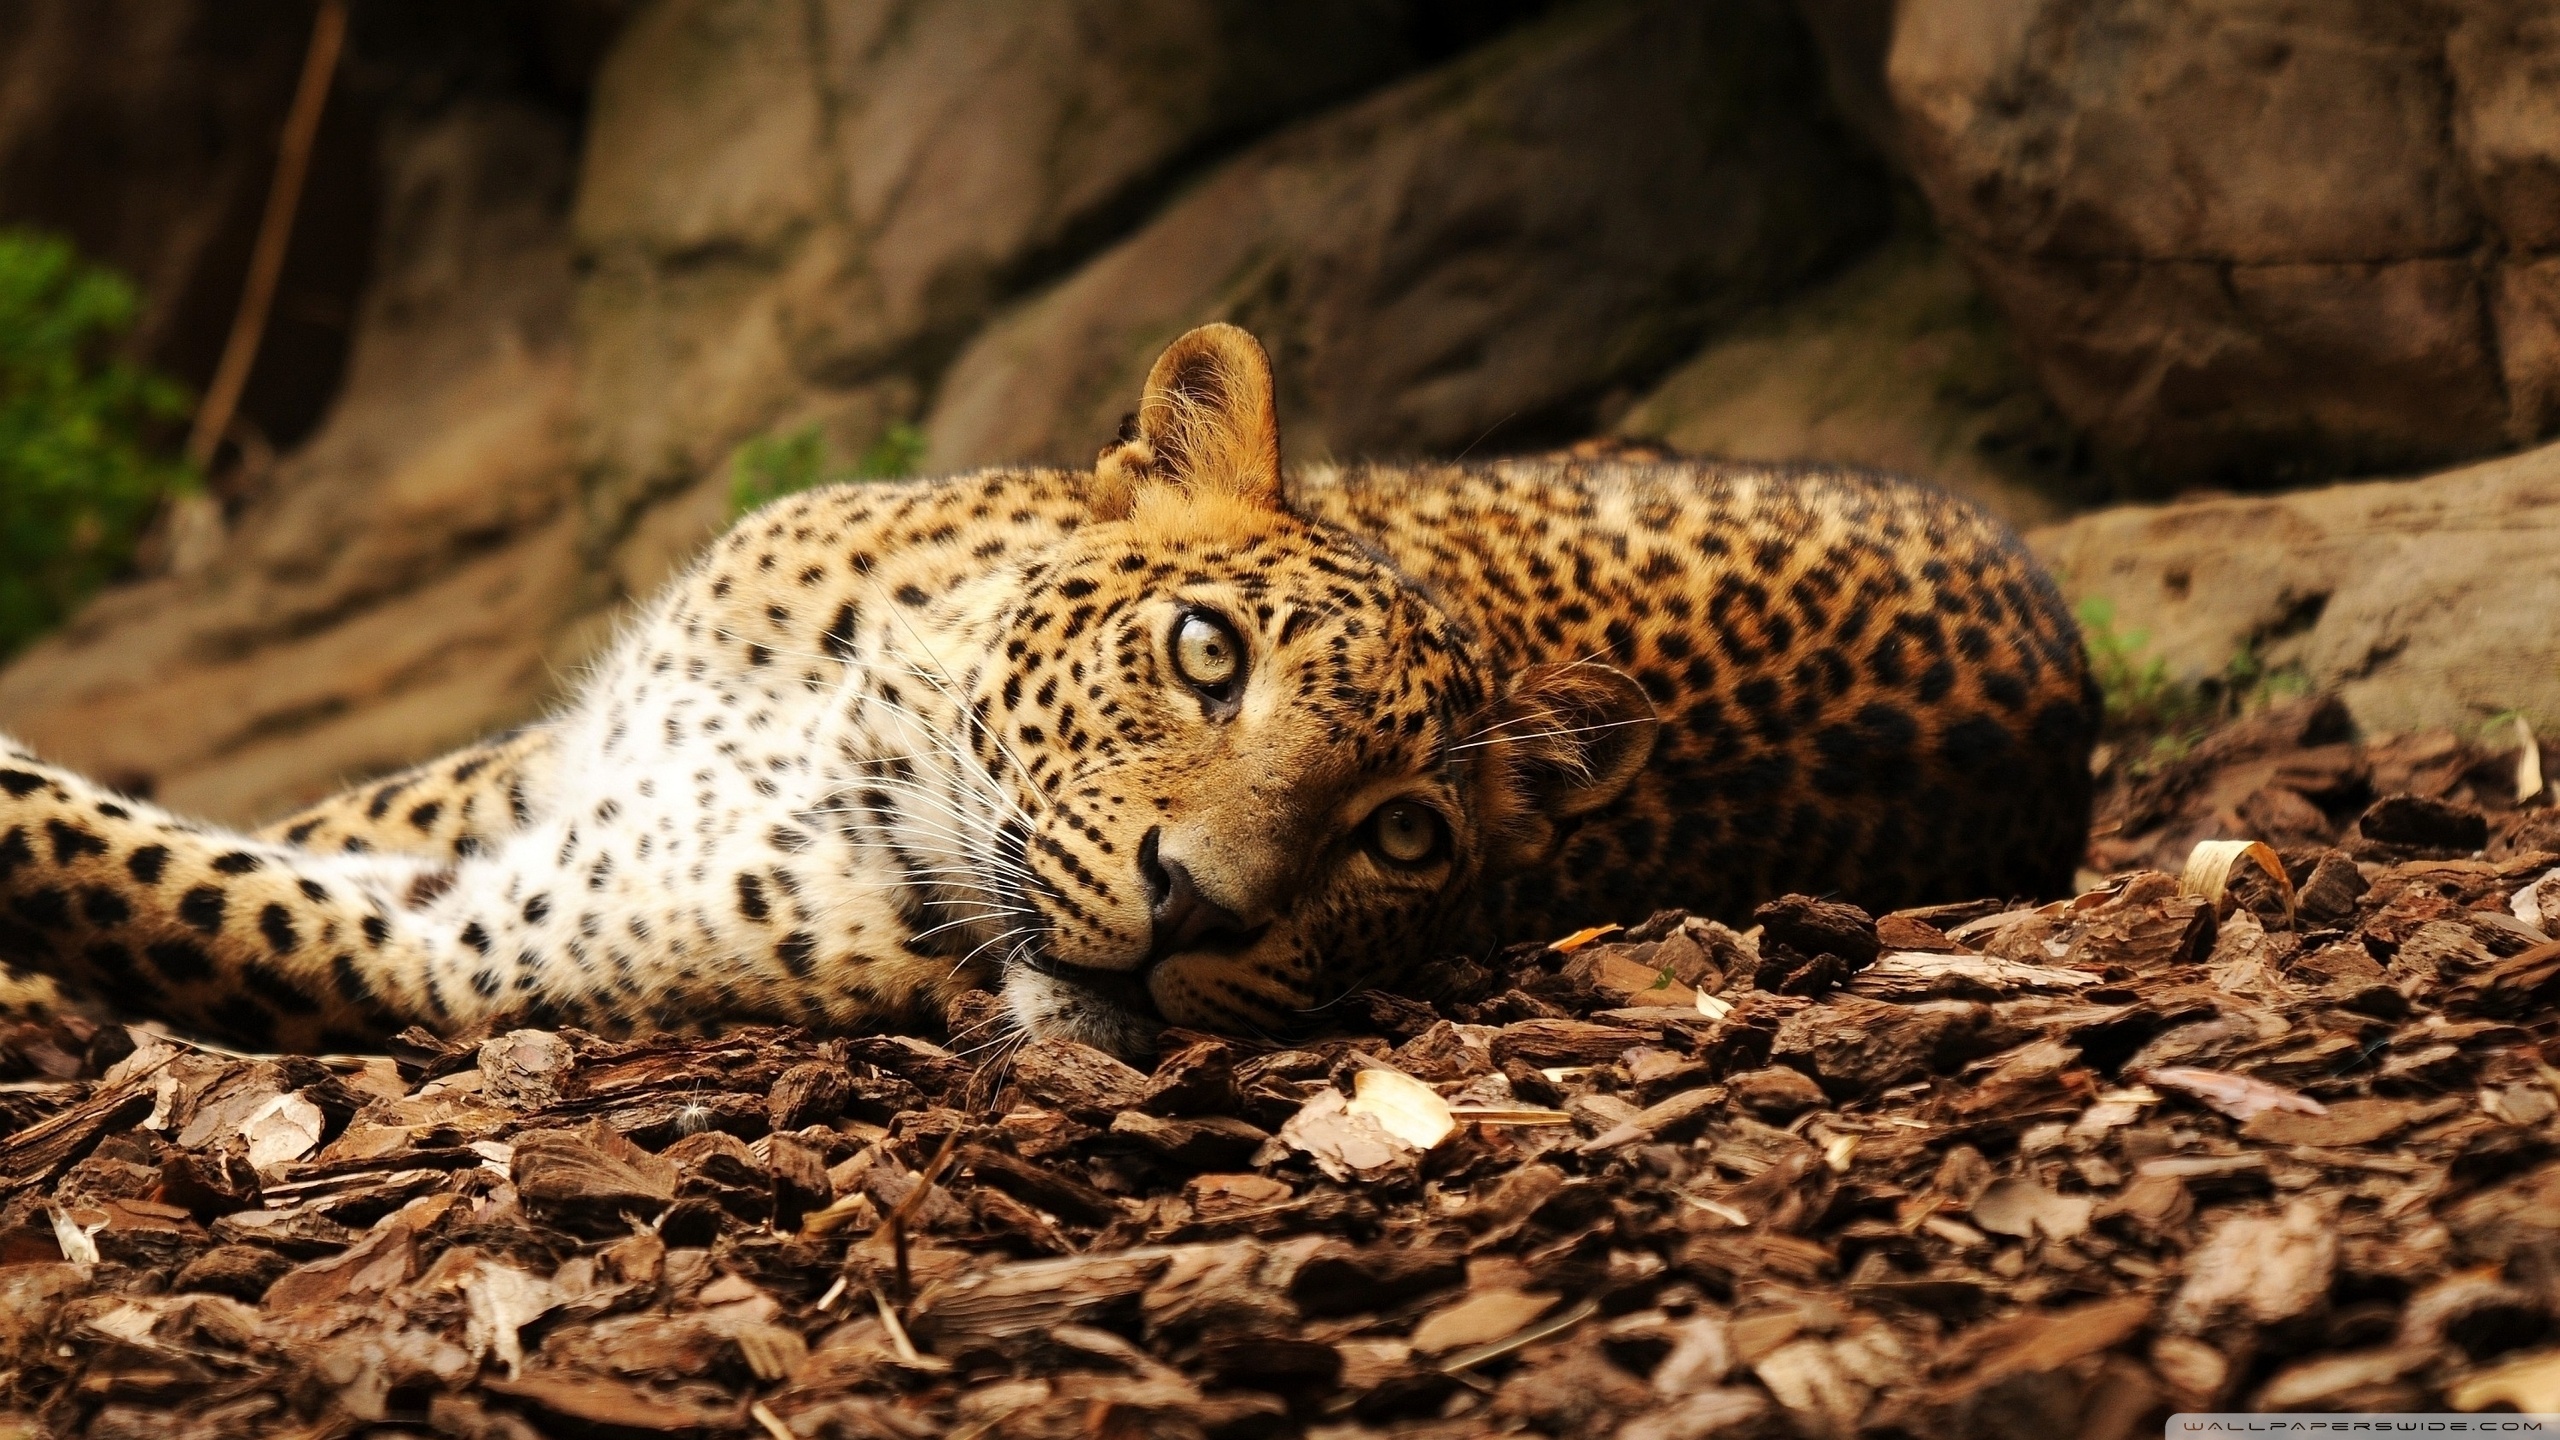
(1078, 1079)
(1197, 1079)
(1555, 1043)
(592, 1168)
(810, 1093)
(1213, 1142)
(1811, 926)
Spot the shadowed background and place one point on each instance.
(560, 265)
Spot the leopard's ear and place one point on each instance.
(1205, 426)
(1562, 742)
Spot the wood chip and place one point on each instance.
(2242, 1097)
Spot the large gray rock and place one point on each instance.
(794, 213)
(1481, 254)
(2422, 602)
(2256, 239)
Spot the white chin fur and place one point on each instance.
(1045, 1007)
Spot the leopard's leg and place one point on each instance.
(449, 808)
(25, 995)
(215, 932)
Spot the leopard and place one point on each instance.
(1184, 740)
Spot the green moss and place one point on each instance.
(772, 466)
(2154, 714)
(80, 475)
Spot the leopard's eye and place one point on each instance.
(1405, 832)
(1206, 652)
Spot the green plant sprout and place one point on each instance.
(2158, 717)
(771, 466)
(79, 476)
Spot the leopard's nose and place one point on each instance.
(1184, 919)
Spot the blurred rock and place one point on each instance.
(398, 586)
(1484, 255)
(1898, 363)
(772, 221)
(796, 217)
(2421, 603)
(2256, 240)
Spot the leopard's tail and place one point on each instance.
(254, 943)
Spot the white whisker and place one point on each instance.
(1549, 734)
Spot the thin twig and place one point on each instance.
(275, 233)
(905, 1210)
(771, 1422)
(898, 1338)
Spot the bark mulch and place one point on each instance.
(1991, 1169)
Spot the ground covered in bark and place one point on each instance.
(2280, 1130)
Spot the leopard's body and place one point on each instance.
(886, 742)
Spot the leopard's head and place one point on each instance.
(1259, 767)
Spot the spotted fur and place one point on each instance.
(886, 742)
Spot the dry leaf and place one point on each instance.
(1701, 1355)
(771, 1351)
(76, 1240)
(1673, 1118)
(1826, 1384)
(1989, 925)
(164, 1102)
(282, 1131)
(2114, 1109)
(503, 1301)
(2238, 1096)
(1410, 1110)
(2538, 904)
(130, 1321)
(2265, 1268)
(1177, 1296)
(1519, 1340)
(1740, 1220)
(1345, 1143)
(381, 1260)
(2208, 871)
(2024, 1209)
(1633, 982)
(1720, 1410)
(1481, 1318)
(224, 1108)
(2349, 1122)
(1580, 938)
